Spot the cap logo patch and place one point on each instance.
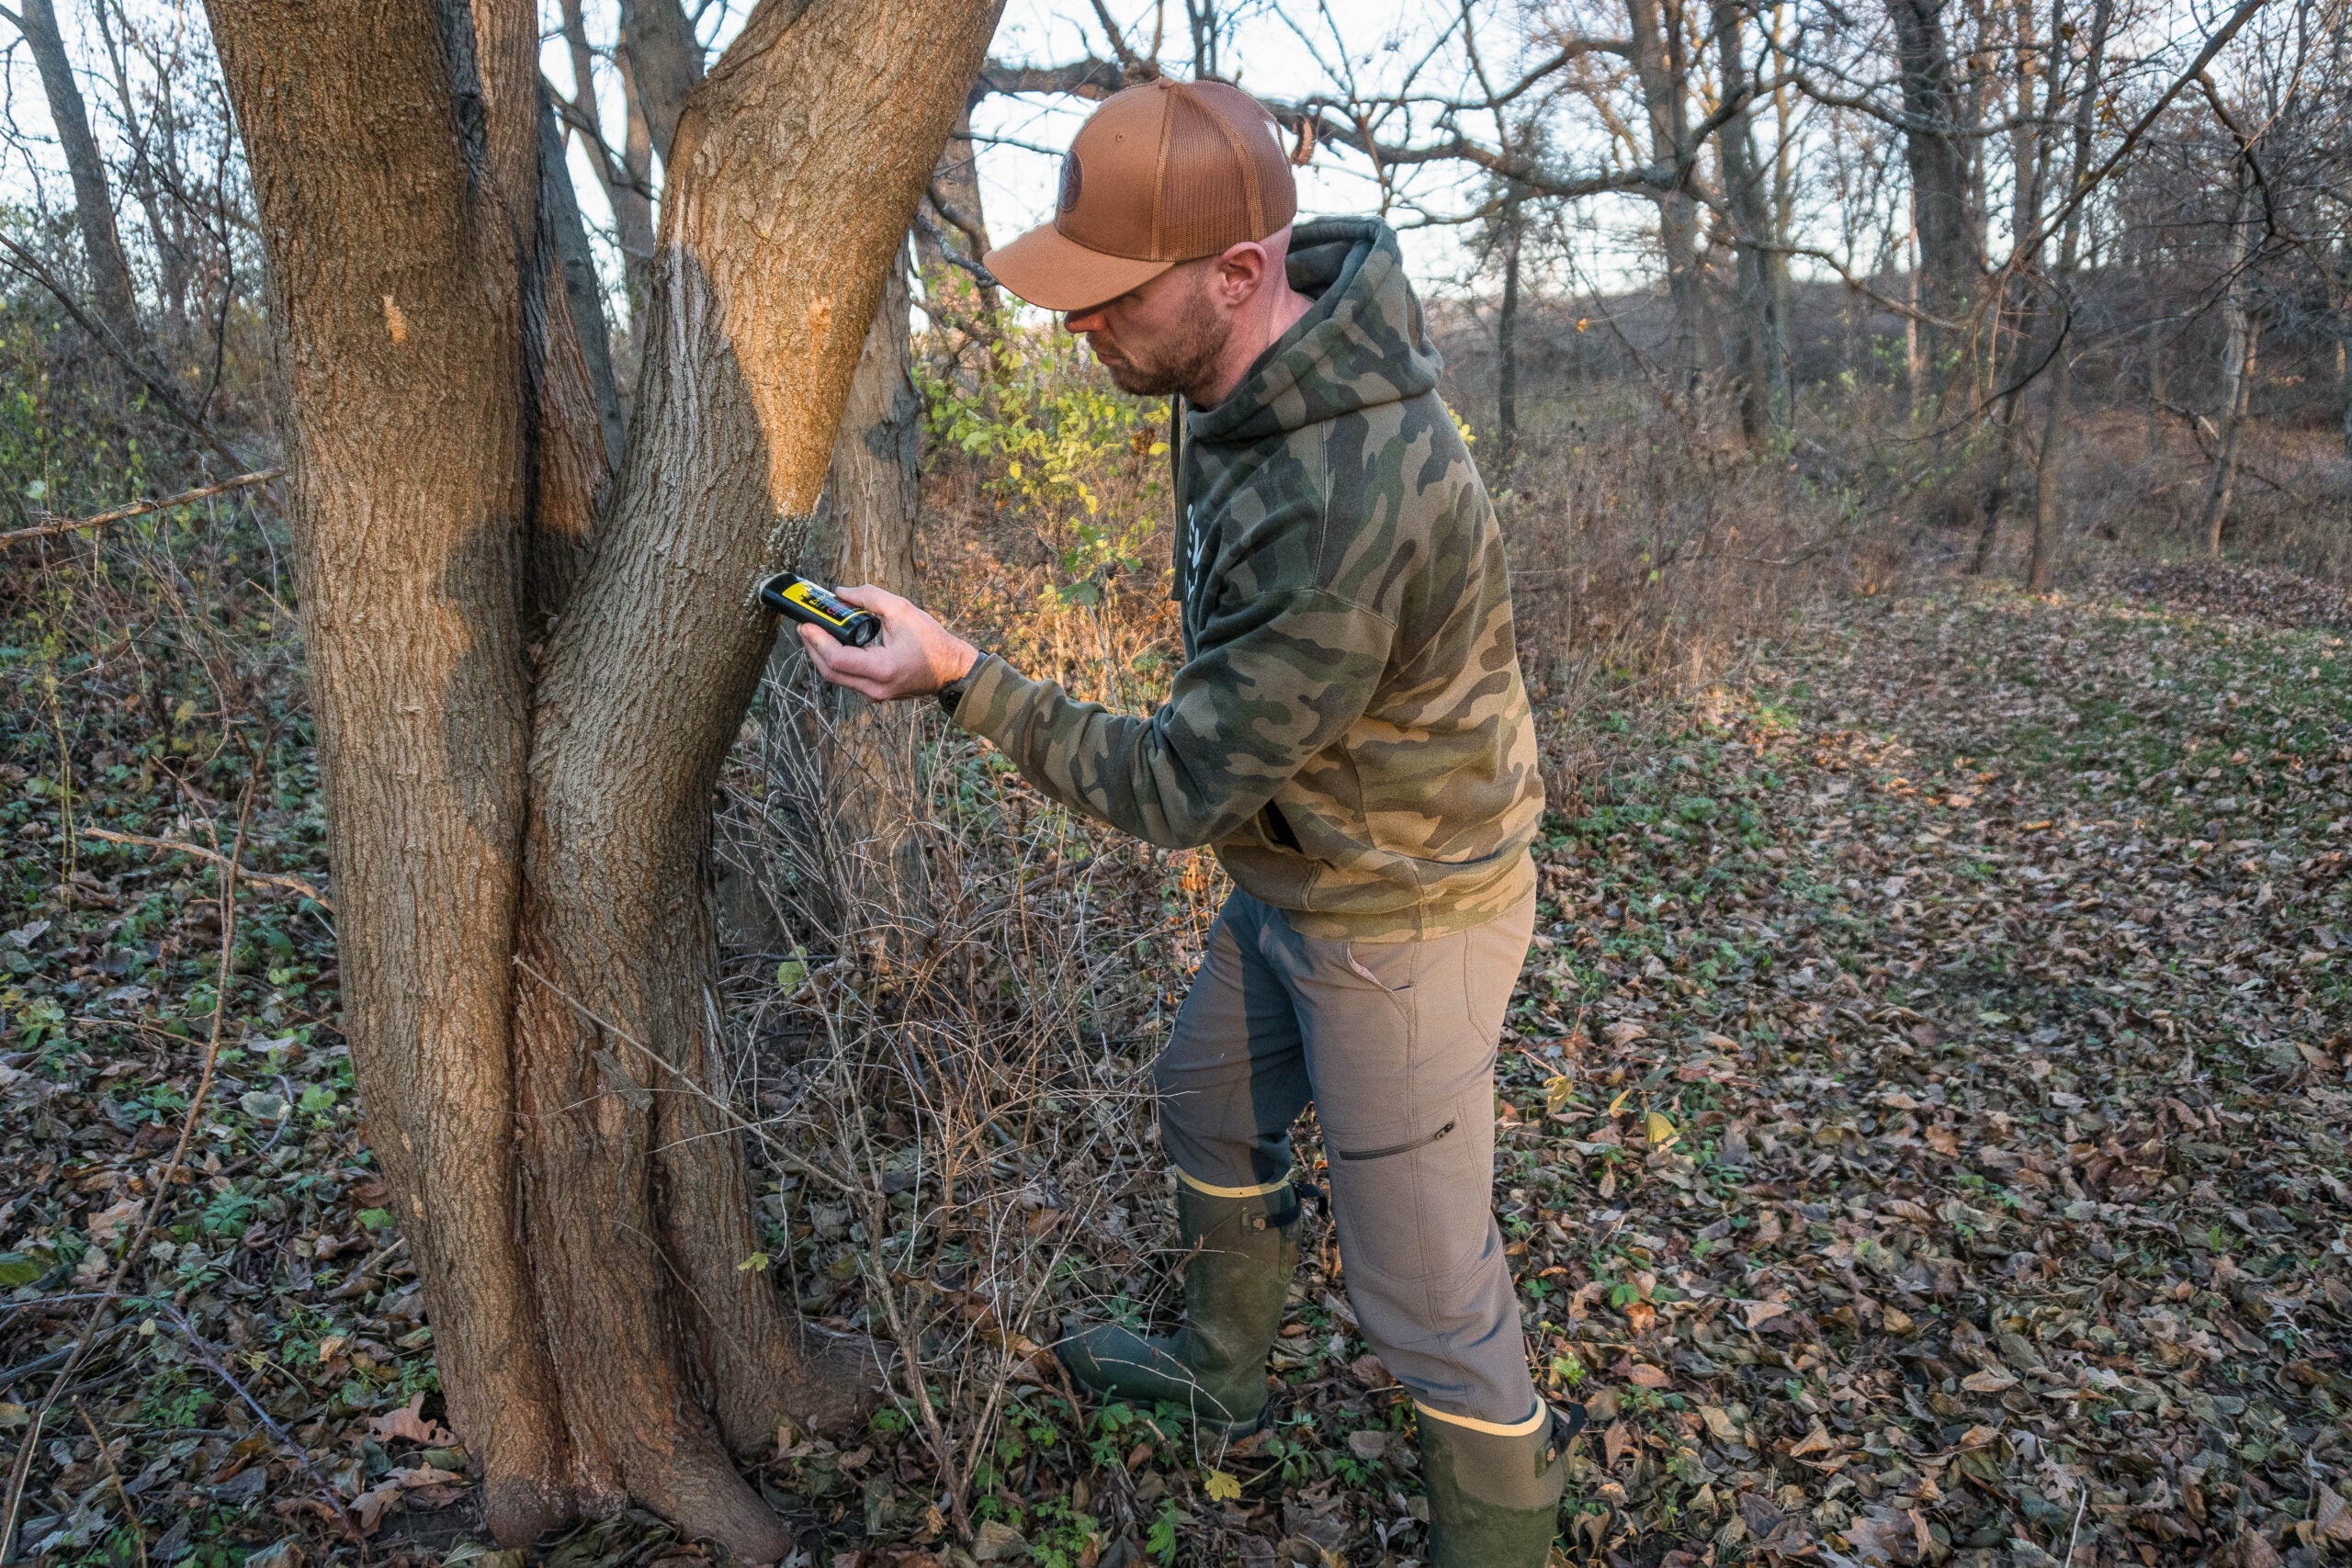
(1073, 179)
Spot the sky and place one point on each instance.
(1280, 49)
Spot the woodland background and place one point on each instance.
(1923, 436)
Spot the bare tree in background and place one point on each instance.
(111, 294)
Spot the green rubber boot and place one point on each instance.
(1244, 1251)
(1495, 1496)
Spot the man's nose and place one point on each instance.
(1082, 320)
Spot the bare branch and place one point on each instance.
(49, 526)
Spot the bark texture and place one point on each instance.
(522, 856)
(401, 347)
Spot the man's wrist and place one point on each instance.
(951, 694)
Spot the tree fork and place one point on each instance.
(522, 865)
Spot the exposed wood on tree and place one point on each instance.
(522, 856)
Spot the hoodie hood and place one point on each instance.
(1362, 344)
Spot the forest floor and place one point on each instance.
(1926, 1142)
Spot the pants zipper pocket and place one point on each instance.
(1405, 1148)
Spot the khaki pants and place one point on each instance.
(1394, 1041)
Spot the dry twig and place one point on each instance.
(50, 525)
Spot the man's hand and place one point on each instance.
(914, 656)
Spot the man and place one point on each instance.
(1350, 733)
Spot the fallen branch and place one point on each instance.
(245, 873)
(53, 525)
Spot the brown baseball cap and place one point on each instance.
(1162, 173)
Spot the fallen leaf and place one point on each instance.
(2330, 1516)
(1817, 1441)
(1615, 1443)
(408, 1424)
(109, 1223)
(996, 1541)
(1989, 1382)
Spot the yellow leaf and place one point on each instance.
(1158, 449)
(1661, 1131)
(1222, 1486)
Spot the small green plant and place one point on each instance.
(1160, 1540)
(1051, 438)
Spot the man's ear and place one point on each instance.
(1244, 269)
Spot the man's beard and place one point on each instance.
(1186, 360)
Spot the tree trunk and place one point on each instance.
(566, 240)
(1996, 498)
(171, 256)
(2050, 472)
(1935, 148)
(957, 214)
(1507, 340)
(521, 866)
(2050, 476)
(1753, 330)
(1662, 69)
(665, 61)
(2238, 347)
(841, 758)
(111, 292)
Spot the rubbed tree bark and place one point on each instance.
(113, 303)
(1950, 234)
(522, 865)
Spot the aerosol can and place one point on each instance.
(797, 599)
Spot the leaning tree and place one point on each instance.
(527, 662)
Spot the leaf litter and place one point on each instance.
(1923, 1143)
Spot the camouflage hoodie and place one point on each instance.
(1348, 730)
